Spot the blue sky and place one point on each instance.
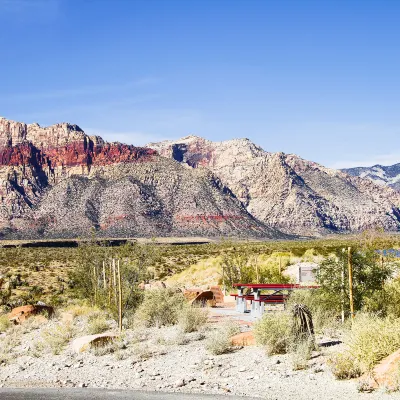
(315, 78)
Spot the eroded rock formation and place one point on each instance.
(59, 182)
(287, 192)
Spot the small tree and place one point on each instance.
(369, 276)
(136, 264)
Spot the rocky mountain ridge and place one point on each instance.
(381, 175)
(59, 182)
(288, 192)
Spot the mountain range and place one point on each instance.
(381, 175)
(59, 182)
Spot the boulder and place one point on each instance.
(20, 314)
(243, 339)
(84, 343)
(385, 374)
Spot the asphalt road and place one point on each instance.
(91, 394)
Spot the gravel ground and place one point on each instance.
(169, 361)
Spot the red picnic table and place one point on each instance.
(279, 295)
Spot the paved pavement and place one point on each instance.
(94, 394)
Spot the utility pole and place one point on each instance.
(351, 283)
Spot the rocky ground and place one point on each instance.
(167, 360)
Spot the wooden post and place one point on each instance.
(280, 265)
(223, 279)
(257, 274)
(110, 286)
(343, 294)
(119, 299)
(115, 282)
(104, 277)
(95, 285)
(350, 283)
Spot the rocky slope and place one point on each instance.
(59, 182)
(381, 175)
(287, 192)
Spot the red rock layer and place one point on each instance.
(81, 153)
(61, 145)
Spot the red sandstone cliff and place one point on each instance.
(59, 182)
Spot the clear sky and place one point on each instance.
(316, 78)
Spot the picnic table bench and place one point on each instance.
(280, 293)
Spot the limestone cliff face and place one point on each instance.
(287, 192)
(59, 182)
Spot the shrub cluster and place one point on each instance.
(370, 340)
(160, 307)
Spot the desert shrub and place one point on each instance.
(385, 302)
(160, 307)
(4, 323)
(372, 338)
(219, 341)
(7, 345)
(55, 337)
(392, 299)
(301, 353)
(77, 310)
(142, 351)
(192, 318)
(344, 366)
(180, 339)
(230, 328)
(273, 332)
(97, 323)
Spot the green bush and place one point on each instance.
(160, 307)
(385, 302)
(192, 318)
(273, 332)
